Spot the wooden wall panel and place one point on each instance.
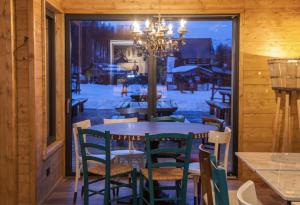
(8, 134)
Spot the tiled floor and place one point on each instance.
(63, 194)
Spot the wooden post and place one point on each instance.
(285, 135)
(276, 125)
(151, 85)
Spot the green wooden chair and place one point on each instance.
(104, 169)
(167, 170)
(219, 181)
(170, 118)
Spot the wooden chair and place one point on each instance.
(217, 138)
(171, 118)
(219, 123)
(246, 194)
(165, 171)
(178, 142)
(130, 153)
(207, 192)
(104, 169)
(205, 170)
(219, 183)
(78, 160)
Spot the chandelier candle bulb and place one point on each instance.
(147, 23)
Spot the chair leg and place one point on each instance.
(177, 189)
(77, 177)
(195, 180)
(82, 191)
(86, 195)
(75, 189)
(151, 192)
(134, 186)
(141, 201)
(107, 192)
(199, 191)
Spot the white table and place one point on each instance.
(285, 183)
(270, 161)
(281, 171)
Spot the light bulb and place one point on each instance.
(170, 29)
(147, 23)
(136, 26)
(182, 23)
(163, 22)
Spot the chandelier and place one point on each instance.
(158, 37)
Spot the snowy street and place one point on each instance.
(109, 96)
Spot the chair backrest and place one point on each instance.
(163, 119)
(246, 194)
(84, 125)
(84, 145)
(121, 120)
(219, 183)
(205, 170)
(221, 138)
(214, 121)
(168, 119)
(151, 153)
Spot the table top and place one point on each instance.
(270, 160)
(136, 131)
(284, 183)
(296, 203)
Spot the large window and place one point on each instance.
(50, 73)
(109, 76)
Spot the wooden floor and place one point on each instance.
(63, 194)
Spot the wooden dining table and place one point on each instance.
(136, 131)
(281, 171)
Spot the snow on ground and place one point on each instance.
(109, 96)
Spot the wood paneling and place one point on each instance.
(8, 133)
(23, 110)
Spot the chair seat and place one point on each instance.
(194, 168)
(126, 152)
(101, 156)
(164, 174)
(115, 169)
(232, 197)
(233, 200)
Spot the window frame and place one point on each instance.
(50, 78)
(234, 17)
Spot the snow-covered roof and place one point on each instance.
(184, 68)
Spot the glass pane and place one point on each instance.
(109, 76)
(196, 81)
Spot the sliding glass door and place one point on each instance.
(108, 77)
